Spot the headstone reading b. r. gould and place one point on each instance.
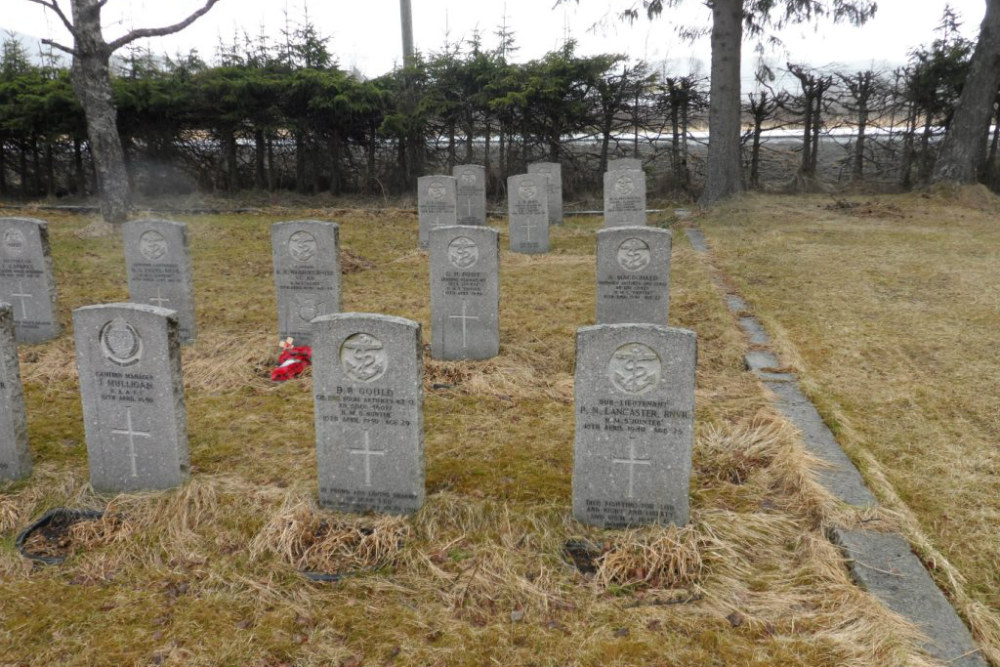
(26, 279)
(158, 264)
(437, 204)
(306, 274)
(633, 275)
(634, 407)
(465, 292)
(15, 459)
(129, 363)
(369, 402)
(528, 213)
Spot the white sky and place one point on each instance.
(365, 34)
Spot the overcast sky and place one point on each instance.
(365, 33)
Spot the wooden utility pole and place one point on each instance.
(406, 19)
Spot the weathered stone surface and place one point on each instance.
(306, 257)
(368, 389)
(633, 275)
(26, 278)
(465, 292)
(528, 213)
(15, 459)
(437, 204)
(158, 263)
(554, 171)
(470, 183)
(634, 424)
(625, 164)
(129, 363)
(624, 199)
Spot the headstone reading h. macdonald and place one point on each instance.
(26, 280)
(634, 424)
(528, 213)
(129, 362)
(633, 275)
(465, 292)
(368, 390)
(158, 264)
(306, 274)
(624, 199)
(554, 171)
(15, 460)
(625, 164)
(470, 181)
(437, 204)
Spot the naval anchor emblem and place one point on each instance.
(634, 368)
(463, 253)
(362, 356)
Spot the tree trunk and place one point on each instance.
(723, 169)
(859, 146)
(3, 167)
(964, 148)
(260, 148)
(232, 166)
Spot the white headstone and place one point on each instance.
(306, 274)
(528, 213)
(554, 171)
(437, 204)
(633, 275)
(470, 181)
(26, 280)
(15, 459)
(624, 199)
(625, 164)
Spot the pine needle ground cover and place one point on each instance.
(239, 566)
(890, 311)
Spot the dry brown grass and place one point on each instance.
(890, 310)
(210, 573)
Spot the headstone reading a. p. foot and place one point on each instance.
(26, 280)
(634, 403)
(465, 292)
(369, 401)
(306, 274)
(158, 263)
(437, 204)
(624, 199)
(528, 213)
(129, 364)
(15, 460)
(633, 275)
(554, 171)
(625, 164)
(470, 181)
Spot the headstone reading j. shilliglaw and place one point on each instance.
(634, 424)
(554, 171)
(625, 164)
(633, 275)
(15, 460)
(26, 280)
(528, 213)
(368, 390)
(158, 264)
(470, 181)
(624, 198)
(129, 363)
(465, 292)
(306, 274)
(437, 204)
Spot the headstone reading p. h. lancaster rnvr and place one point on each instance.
(633, 275)
(470, 181)
(159, 269)
(367, 385)
(528, 213)
(437, 204)
(26, 280)
(306, 274)
(465, 292)
(554, 171)
(634, 408)
(15, 459)
(624, 198)
(129, 363)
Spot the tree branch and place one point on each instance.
(57, 45)
(54, 6)
(157, 32)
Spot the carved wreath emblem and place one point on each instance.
(120, 342)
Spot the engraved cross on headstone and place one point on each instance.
(632, 462)
(464, 319)
(159, 299)
(131, 433)
(21, 295)
(368, 453)
(528, 226)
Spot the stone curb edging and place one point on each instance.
(880, 563)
